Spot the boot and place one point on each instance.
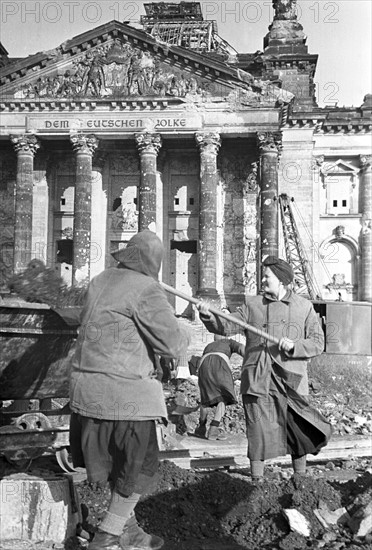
(214, 433)
(135, 538)
(257, 471)
(299, 465)
(201, 431)
(105, 541)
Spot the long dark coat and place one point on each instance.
(273, 383)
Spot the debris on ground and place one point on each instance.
(340, 393)
(192, 509)
(225, 510)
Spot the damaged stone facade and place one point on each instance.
(239, 220)
(118, 130)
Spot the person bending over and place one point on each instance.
(216, 384)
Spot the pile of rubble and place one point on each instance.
(225, 510)
(344, 401)
(342, 392)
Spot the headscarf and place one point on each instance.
(281, 269)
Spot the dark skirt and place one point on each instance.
(281, 423)
(216, 383)
(122, 452)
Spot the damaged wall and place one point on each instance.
(237, 171)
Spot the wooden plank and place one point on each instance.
(44, 331)
(232, 447)
(213, 462)
(204, 455)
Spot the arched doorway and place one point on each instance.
(339, 276)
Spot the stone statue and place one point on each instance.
(94, 75)
(285, 28)
(250, 184)
(125, 217)
(130, 216)
(285, 9)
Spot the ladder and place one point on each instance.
(304, 282)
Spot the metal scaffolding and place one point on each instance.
(183, 25)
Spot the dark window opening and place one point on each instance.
(135, 200)
(334, 203)
(191, 201)
(344, 203)
(3, 184)
(176, 201)
(184, 246)
(116, 203)
(65, 250)
(63, 202)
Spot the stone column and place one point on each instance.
(26, 147)
(148, 145)
(99, 216)
(84, 147)
(366, 232)
(268, 144)
(40, 209)
(209, 144)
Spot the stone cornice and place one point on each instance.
(323, 125)
(303, 122)
(347, 127)
(86, 104)
(302, 62)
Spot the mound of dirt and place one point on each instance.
(221, 510)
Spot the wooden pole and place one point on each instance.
(229, 318)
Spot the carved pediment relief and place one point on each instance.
(117, 62)
(117, 69)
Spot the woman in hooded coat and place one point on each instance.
(115, 395)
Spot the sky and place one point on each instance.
(339, 32)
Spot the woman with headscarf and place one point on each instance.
(274, 381)
(216, 384)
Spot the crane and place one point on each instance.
(304, 282)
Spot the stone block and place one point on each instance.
(38, 509)
(361, 521)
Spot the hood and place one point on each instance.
(143, 253)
